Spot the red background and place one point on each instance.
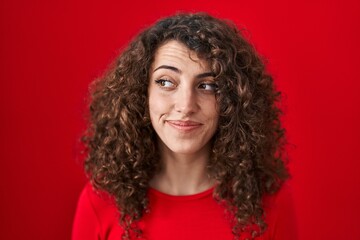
(51, 50)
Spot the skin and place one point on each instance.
(183, 112)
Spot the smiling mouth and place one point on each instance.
(184, 125)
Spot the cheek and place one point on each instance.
(211, 110)
(157, 107)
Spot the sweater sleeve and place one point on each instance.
(86, 223)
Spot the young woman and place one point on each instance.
(185, 140)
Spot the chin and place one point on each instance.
(189, 148)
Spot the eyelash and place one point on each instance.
(214, 87)
(162, 82)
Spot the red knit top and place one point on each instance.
(189, 217)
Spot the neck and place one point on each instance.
(182, 174)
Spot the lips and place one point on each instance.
(184, 125)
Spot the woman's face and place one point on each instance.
(182, 104)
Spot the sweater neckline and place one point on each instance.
(159, 194)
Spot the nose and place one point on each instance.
(186, 101)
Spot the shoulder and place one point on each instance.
(101, 202)
(280, 199)
(96, 213)
(280, 214)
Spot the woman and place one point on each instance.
(185, 140)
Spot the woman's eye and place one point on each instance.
(165, 83)
(208, 87)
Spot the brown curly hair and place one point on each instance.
(247, 158)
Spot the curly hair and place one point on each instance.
(247, 159)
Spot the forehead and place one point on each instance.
(176, 53)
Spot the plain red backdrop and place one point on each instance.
(51, 50)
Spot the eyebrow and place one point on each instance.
(174, 69)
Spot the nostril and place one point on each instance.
(186, 106)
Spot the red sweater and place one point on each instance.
(190, 217)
